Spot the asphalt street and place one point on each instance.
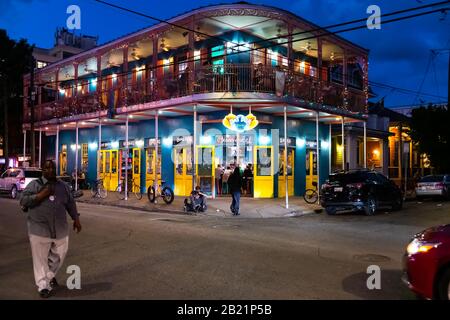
(126, 254)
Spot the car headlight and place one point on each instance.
(417, 246)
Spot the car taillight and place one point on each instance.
(439, 185)
(358, 185)
(22, 181)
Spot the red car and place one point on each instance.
(427, 263)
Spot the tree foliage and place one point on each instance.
(430, 127)
(14, 63)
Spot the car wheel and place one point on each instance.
(13, 192)
(330, 211)
(443, 285)
(371, 206)
(398, 204)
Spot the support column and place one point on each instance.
(318, 155)
(194, 176)
(329, 149)
(40, 148)
(400, 153)
(99, 76)
(126, 159)
(124, 78)
(344, 79)
(57, 150)
(75, 78)
(343, 143)
(365, 144)
(76, 156)
(285, 159)
(99, 147)
(290, 51)
(24, 145)
(155, 181)
(191, 63)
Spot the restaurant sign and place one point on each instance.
(240, 123)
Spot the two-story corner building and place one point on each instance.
(223, 83)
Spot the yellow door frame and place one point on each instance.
(136, 168)
(150, 177)
(281, 178)
(263, 185)
(183, 181)
(311, 177)
(213, 156)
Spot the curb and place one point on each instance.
(134, 207)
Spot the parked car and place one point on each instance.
(359, 190)
(15, 180)
(433, 186)
(426, 263)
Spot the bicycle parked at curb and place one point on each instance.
(132, 185)
(165, 192)
(311, 195)
(98, 189)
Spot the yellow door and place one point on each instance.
(311, 168)
(110, 173)
(136, 172)
(150, 167)
(290, 173)
(107, 171)
(183, 171)
(205, 169)
(63, 160)
(263, 173)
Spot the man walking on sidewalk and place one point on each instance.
(46, 200)
(235, 183)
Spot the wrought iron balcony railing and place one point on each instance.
(232, 78)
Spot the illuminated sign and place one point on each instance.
(240, 123)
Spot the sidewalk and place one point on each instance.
(220, 207)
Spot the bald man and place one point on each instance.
(47, 200)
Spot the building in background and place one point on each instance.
(66, 45)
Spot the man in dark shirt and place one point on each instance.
(46, 201)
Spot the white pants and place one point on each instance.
(48, 256)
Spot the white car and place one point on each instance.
(15, 180)
(434, 185)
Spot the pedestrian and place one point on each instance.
(218, 177)
(46, 201)
(235, 184)
(225, 177)
(248, 177)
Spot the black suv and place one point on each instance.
(359, 190)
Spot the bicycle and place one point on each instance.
(98, 189)
(132, 185)
(165, 192)
(311, 195)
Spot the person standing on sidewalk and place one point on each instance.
(235, 184)
(46, 200)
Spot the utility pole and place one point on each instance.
(32, 96)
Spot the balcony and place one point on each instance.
(234, 78)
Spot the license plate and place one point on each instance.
(423, 188)
(338, 189)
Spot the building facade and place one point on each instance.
(221, 84)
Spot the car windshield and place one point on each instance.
(33, 173)
(345, 178)
(432, 179)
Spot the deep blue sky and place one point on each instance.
(399, 52)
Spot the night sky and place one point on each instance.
(399, 52)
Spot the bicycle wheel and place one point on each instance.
(151, 194)
(94, 190)
(102, 192)
(120, 191)
(167, 195)
(311, 196)
(137, 191)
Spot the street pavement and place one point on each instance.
(131, 254)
